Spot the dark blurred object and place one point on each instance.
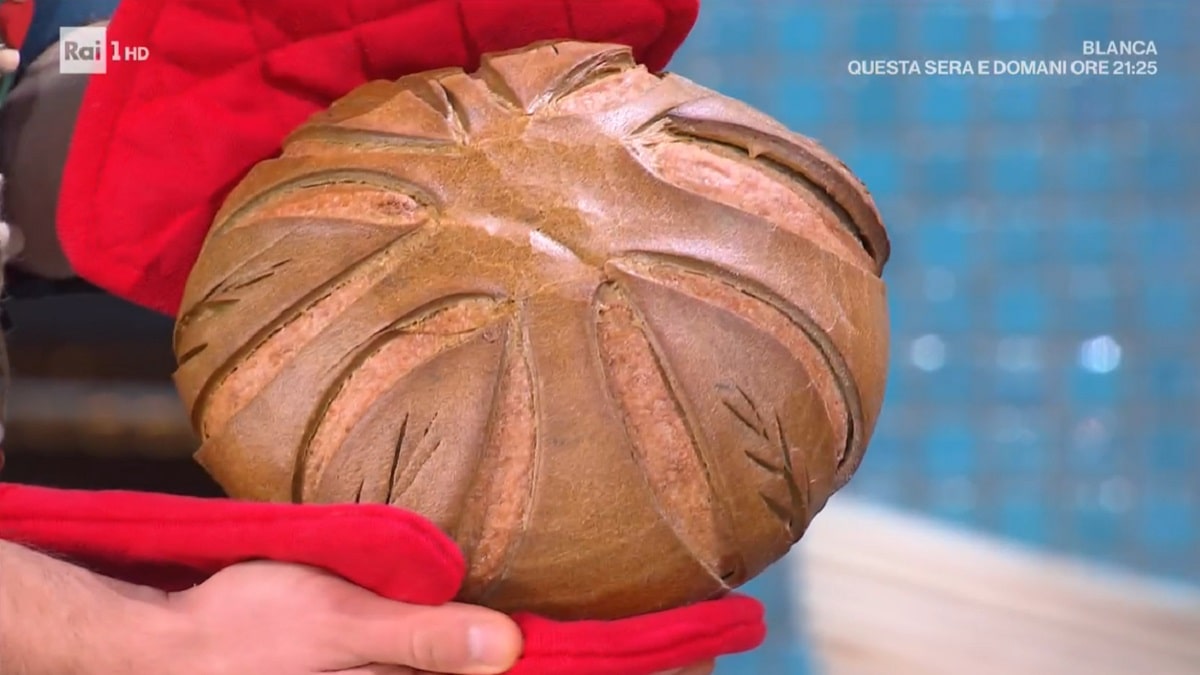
(93, 473)
(88, 336)
(91, 404)
(107, 418)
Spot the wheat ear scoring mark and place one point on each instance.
(793, 514)
(420, 337)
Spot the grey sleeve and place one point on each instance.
(36, 124)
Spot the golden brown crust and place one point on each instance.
(620, 336)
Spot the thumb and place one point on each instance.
(10, 60)
(455, 639)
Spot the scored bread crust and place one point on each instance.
(618, 335)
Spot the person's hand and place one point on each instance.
(281, 619)
(10, 60)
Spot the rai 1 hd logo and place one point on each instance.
(86, 50)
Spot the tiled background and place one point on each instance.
(1045, 282)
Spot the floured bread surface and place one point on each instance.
(619, 336)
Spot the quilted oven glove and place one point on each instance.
(15, 18)
(159, 143)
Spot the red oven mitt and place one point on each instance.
(15, 19)
(175, 542)
(160, 142)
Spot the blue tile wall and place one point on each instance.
(1044, 287)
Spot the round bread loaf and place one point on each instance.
(618, 335)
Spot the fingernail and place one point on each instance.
(490, 647)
